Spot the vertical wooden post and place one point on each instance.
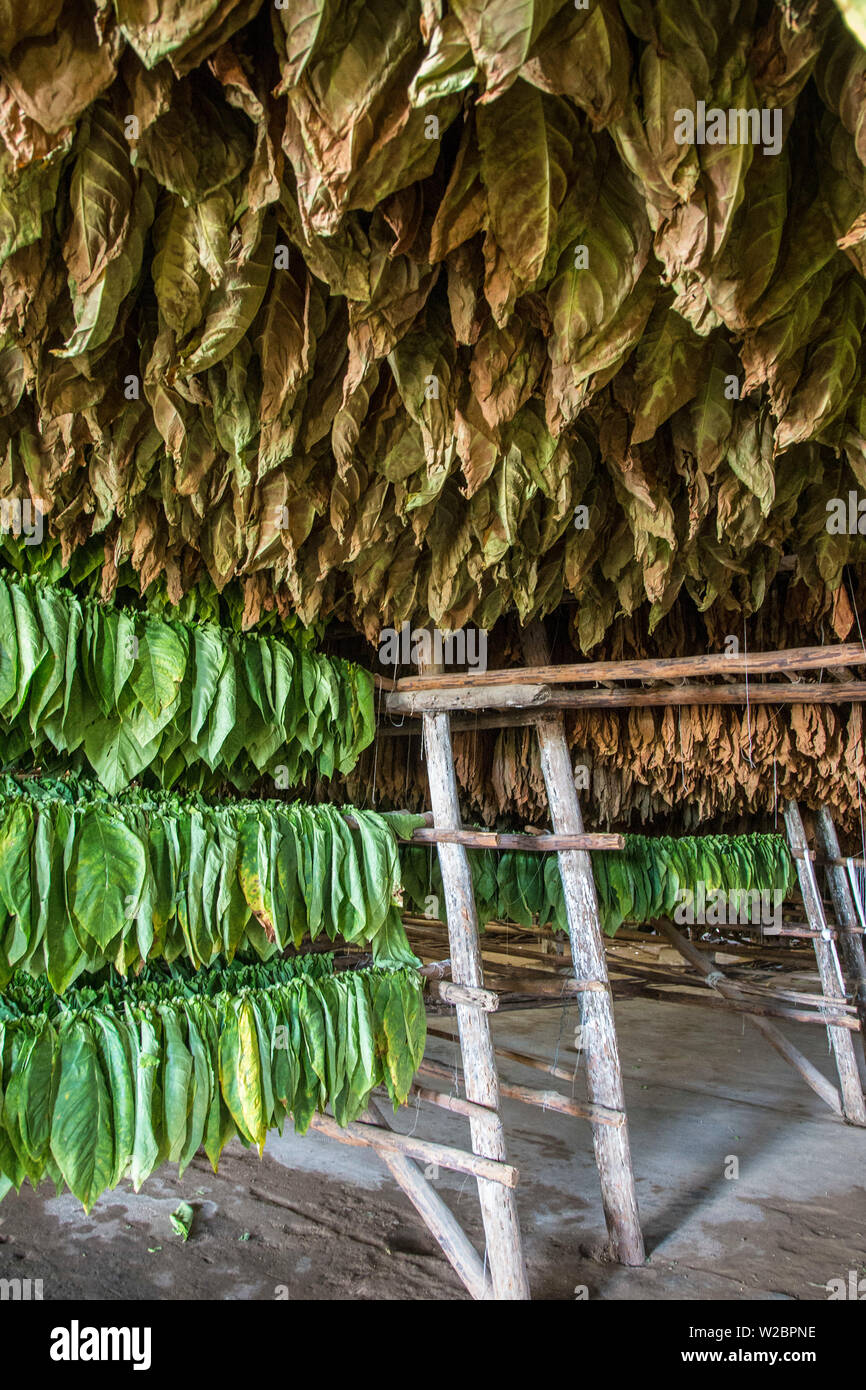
(850, 943)
(604, 1075)
(498, 1205)
(832, 981)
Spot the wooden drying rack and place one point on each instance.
(533, 695)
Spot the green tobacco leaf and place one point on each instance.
(181, 289)
(303, 25)
(106, 871)
(584, 298)
(159, 669)
(181, 1220)
(101, 197)
(448, 67)
(123, 1091)
(81, 1126)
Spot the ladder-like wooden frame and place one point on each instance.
(604, 1075)
(847, 1099)
(829, 967)
(502, 1273)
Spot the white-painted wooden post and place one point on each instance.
(850, 940)
(603, 1071)
(832, 980)
(498, 1205)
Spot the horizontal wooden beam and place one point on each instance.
(736, 693)
(494, 839)
(651, 668)
(387, 1141)
(449, 993)
(526, 1095)
(671, 994)
(518, 696)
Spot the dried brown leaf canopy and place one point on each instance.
(294, 297)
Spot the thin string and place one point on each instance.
(372, 794)
(863, 645)
(402, 720)
(854, 606)
(748, 706)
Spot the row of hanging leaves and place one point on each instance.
(111, 1082)
(87, 880)
(691, 769)
(240, 247)
(122, 694)
(638, 884)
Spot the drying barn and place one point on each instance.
(432, 577)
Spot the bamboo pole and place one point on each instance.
(498, 1207)
(717, 981)
(604, 1076)
(650, 668)
(850, 933)
(830, 971)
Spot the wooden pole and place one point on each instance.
(650, 668)
(475, 697)
(374, 1136)
(450, 993)
(604, 1076)
(498, 1205)
(829, 969)
(527, 1095)
(499, 839)
(440, 1221)
(737, 693)
(850, 937)
(716, 980)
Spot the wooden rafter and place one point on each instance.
(650, 668)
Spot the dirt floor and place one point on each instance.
(314, 1219)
